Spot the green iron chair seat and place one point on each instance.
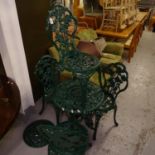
(107, 105)
(66, 138)
(78, 62)
(75, 61)
(114, 79)
(69, 97)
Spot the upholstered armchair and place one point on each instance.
(112, 53)
(108, 52)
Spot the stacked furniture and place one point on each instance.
(86, 95)
(118, 14)
(132, 43)
(107, 52)
(92, 13)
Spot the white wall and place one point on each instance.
(12, 51)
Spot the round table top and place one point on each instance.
(69, 98)
(79, 62)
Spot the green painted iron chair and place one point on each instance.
(77, 96)
(100, 97)
(113, 79)
(61, 28)
(103, 90)
(67, 96)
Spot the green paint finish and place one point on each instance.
(31, 135)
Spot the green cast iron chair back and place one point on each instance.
(61, 27)
(118, 81)
(47, 73)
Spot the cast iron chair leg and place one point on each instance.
(97, 119)
(57, 115)
(43, 105)
(115, 111)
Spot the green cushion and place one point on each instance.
(65, 74)
(87, 34)
(54, 53)
(111, 56)
(114, 48)
(105, 60)
(95, 78)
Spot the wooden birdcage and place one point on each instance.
(118, 14)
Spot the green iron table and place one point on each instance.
(69, 97)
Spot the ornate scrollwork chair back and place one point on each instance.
(47, 72)
(118, 80)
(61, 28)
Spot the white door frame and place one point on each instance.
(12, 51)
